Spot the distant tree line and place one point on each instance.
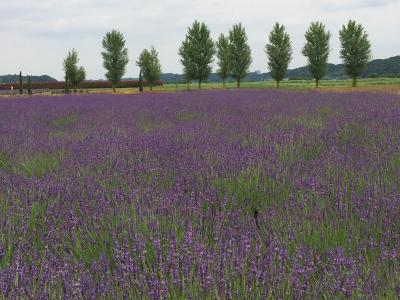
(233, 55)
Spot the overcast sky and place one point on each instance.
(35, 35)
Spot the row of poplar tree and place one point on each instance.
(233, 54)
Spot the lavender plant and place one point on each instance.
(227, 194)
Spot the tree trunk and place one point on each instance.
(354, 81)
(151, 86)
(238, 82)
(223, 83)
(277, 84)
(199, 84)
(113, 87)
(187, 85)
(317, 83)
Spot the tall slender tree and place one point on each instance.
(317, 50)
(29, 85)
(279, 52)
(197, 52)
(140, 81)
(239, 53)
(21, 87)
(223, 57)
(355, 49)
(149, 64)
(115, 56)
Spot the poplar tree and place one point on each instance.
(197, 51)
(317, 50)
(355, 49)
(279, 52)
(223, 58)
(29, 85)
(140, 81)
(115, 57)
(239, 53)
(21, 88)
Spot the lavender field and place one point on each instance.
(235, 194)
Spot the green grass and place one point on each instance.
(149, 126)
(187, 116)
(4, 161)
(65, 121)
(251, 189)
(302, 150)
(40, 164)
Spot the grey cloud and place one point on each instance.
(42, 32)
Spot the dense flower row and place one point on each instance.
(57, 85)
(241, 194)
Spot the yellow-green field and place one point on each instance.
(374, 83)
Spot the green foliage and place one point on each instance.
(279, 51)
(80, 76)
(150, 65)
(240, 53)
(115, 56)
(316, 50)
(21, 89)
(355, 49)
(37, 223)
(223, 57)
(188, 65)
(197, 53)
(73, 74)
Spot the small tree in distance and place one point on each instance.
(80, 77)
(279, 51)
(21, 88)
(149, 64)
(239, 53)
(355, 49)
(197, 52)
(29, 85)
(73, 74)
(316, 50)
(140, 81)
(223, 58)
(115, 57)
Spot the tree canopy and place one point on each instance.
(150, 66)
(355, 49)
(223, 55)
(317, 50)
(239, 53)
(115, 56)
(74, 75)
(279, 52)
(197, 53)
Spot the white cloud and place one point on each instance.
(36, 35)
